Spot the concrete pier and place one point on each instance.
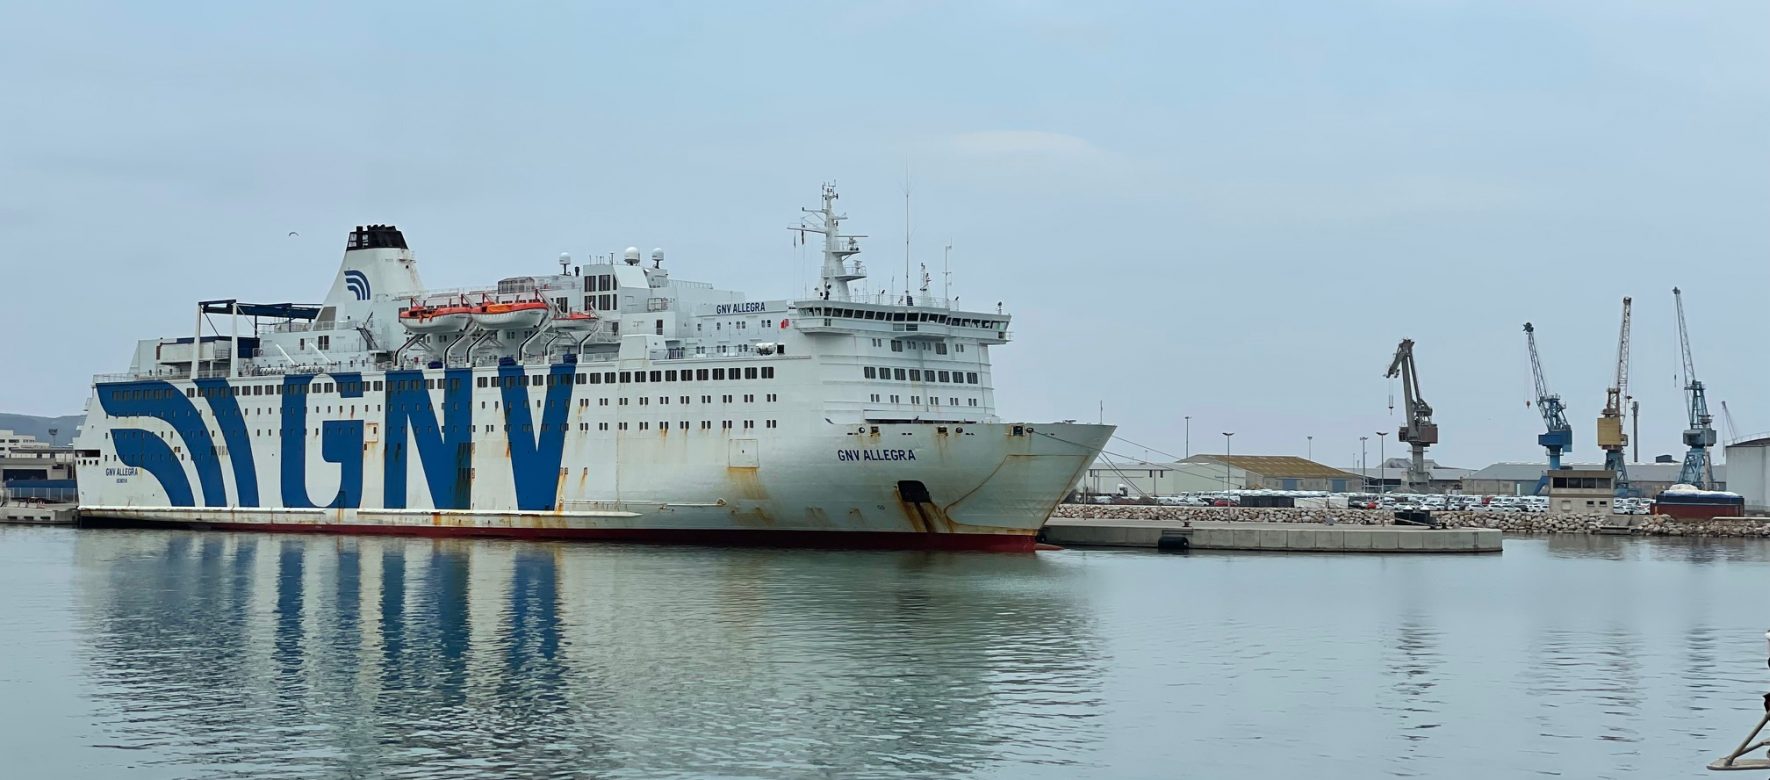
(37, 514)
(1276, 537)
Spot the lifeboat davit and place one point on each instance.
(436, 319)
(510, 316)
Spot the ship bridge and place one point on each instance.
(933, 320)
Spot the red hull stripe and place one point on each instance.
(853, 540)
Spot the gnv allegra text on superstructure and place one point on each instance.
(606, 401)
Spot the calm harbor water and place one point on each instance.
(161, 654)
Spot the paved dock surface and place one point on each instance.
(1279, 537)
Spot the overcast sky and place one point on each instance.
(1226, 210)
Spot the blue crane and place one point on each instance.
(1700, 436)
(1558, 436)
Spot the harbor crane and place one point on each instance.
(1420, 431)
(1700, 435)
(1558, 436)
(1611, 438)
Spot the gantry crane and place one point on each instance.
(1610, 423)
(1700, 436)
(1420, 431)
(1558, 436)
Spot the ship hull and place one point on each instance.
(979, 486)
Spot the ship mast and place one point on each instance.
(837, 271)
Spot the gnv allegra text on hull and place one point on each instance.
(607, 400)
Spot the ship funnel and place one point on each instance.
(377, 266)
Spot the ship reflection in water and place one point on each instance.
(280, 656)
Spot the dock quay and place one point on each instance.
(37, 514)
(1509, 523)
(1272, 537)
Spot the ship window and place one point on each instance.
(896, 346)
(718, 373)
(768, 372)
(898, 374)
(626, 376)
(869, 372)
(660, 328)
(750, 373)
(639, 376)
(940, 348)
(915, 375)
(537, 379)
(670, 376)
(945, 376)
(657, 376)
(596, 379)
(482, 381)
(971, 377)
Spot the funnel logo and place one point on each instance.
(357, 284)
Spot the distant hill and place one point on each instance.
(39, 426)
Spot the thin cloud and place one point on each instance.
(1025, 143)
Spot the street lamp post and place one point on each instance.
(1363, 472)
(1312, 448)
(1189, 436)
(1382, 463)
(1226, 435)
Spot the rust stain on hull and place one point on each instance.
(746, 482)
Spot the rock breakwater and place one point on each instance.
(1508, 522)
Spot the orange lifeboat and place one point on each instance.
(436, 319)
(516, 315)
(577, 320)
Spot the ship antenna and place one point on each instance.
(906, 235)
(946, 274)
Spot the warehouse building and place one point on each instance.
(1520, 479)
(1283, 472)
(1136, 478)
(1748, 464)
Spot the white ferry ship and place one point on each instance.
(607, 401)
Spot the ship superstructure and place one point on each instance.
(608, 400)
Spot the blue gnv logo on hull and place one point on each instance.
(443, 447)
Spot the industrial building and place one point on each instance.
(1748, 465)
(1521, 479)
(1391, 477)
(1581, 491)
(34, 470)
(1282, 472)
(1136, 478)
